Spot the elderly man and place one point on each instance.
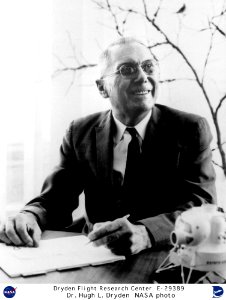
(139, 164)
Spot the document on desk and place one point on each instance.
(54, 254)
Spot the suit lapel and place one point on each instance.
(161, 146)
(152, 132)
(104, 148)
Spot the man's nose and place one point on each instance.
(141, 75)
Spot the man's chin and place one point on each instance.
(145, 104)
(143, 108)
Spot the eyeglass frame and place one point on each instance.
(136, 65)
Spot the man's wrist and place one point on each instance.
(146, 237)
(33, 215)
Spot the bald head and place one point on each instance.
(106, 57)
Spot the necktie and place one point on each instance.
(132, 163)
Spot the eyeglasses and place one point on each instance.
(130, 70)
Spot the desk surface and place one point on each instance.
(135, 269)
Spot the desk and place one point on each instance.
(135, 269)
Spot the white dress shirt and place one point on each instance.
(122, 139)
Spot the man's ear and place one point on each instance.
(101, 87)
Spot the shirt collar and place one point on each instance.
(140, 127)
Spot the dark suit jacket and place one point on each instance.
(177, 173)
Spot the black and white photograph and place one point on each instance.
(113, 145)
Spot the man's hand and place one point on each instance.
(20, 230)
(121, 236)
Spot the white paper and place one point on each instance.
(53, 254)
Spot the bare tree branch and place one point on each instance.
(158, 9)
(106, 26)
(221, 14)
(175, 80)
(218, 29)
(124, 21)
(216, 164)
(72, 47)
(213, 149)
(59, 60)
(71, 84)
(220, 103)
(207, 56)
(174, 46)
(73, 69)
(130, 10)
(99, 4)
(145, 8)
(114, 18)
(158, 44)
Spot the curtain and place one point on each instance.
(25, 101)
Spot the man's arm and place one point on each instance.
(60, 191)
(196, 180)
(53, 208)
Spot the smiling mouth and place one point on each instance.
(143, 92)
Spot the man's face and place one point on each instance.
(130, 96)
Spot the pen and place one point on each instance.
(125, 217)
